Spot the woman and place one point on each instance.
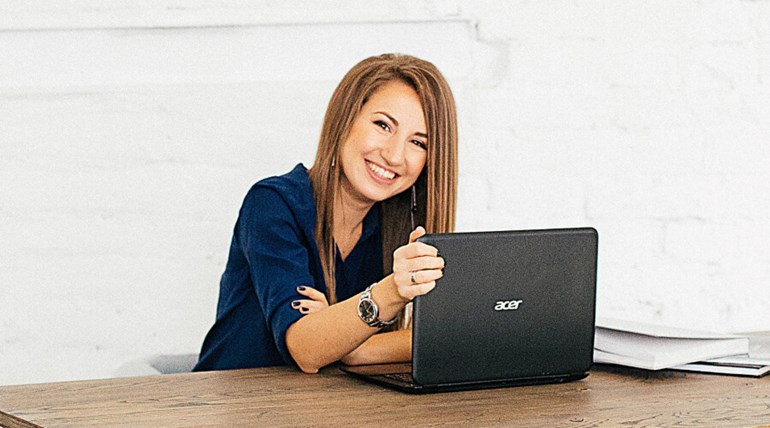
(320, 261)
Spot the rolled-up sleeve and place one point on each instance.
(279, 258)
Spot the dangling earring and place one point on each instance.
(413, 208)
(334, 160)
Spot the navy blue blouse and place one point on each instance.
(273, 251)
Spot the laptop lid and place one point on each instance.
(513, 308)
(516, 304)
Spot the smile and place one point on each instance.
(381, 172)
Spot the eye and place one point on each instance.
(382, 125)
(420, 144)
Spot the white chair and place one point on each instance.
(157, 364)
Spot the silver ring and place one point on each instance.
(414, 280)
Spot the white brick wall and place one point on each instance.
(129, 132)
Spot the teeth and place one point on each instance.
(387, 175)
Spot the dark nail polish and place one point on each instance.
(295, 303)
(301, 288)
(303, 310)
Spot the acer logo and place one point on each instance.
(510, 305)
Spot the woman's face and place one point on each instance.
(387, 146)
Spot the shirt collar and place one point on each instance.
(295, 188)
(371, 222)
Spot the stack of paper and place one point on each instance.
(655, 347)
(743, 365)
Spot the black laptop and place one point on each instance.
(513, 308)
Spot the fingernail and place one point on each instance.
(303, 310)
(295, 303)
(301, 288)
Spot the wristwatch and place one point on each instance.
(369, 312)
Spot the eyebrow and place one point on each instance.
(393, 119)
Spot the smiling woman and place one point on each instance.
(322, 259)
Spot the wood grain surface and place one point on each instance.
(610, 396)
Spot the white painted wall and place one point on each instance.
(130, 131)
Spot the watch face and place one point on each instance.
(367, 310)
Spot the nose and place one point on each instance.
(394, 152)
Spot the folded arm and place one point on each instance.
(325, 336)
(390, 347)
(335, 332)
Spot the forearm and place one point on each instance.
(323, 337)
(390, 347)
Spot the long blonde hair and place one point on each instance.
(436, 187)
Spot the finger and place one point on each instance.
(418, 249)
(309, 309)
(416, 233)
(315, 305)
(424, 263)
(308, 306)
(311, 293)
(306, 310)
(413, 291)
(422, 277)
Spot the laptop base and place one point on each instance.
(399, 377)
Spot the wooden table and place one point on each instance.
(610, 396)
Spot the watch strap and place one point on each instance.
(376, 322)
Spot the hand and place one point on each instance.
(315, 300)
(416, 267)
